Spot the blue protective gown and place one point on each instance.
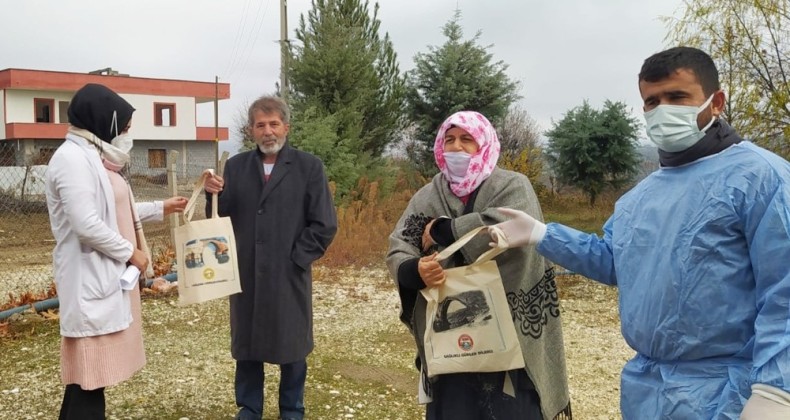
(701, 256)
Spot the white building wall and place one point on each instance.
(20, 107)
(143, 119)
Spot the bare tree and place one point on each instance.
(519, 137)
(750, 41)
(517, 131)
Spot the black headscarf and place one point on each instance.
(92, 109)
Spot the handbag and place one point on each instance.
(469, 327)
(205, 254)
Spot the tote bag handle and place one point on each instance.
(198, 188)
(484, 257)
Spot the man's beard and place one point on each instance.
(273, 149)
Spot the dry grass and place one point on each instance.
(366, 221)
(362, 367)
(359, 368)
(572, 209)
(364, 226)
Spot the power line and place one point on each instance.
(236, 41)
(255, 38)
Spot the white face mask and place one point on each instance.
(457, 165)
(124, 142)
(673, 128)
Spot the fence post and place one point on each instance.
(221, 163)
(24, 184)
(172, 182)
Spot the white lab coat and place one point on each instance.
(90, 255)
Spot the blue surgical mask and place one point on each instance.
(673, 128)
(457, 165)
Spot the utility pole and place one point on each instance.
(284, 49)
(216, 121)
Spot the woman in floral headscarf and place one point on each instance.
(463, 196)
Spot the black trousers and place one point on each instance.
(79, 404)
(479, 396)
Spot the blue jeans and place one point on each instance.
(249, 389)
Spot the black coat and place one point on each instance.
(281, 227)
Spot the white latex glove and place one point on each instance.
(521, 230)
(766, 403)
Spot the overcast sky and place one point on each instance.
(561, 51)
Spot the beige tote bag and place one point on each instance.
(206, 254)
(469, 327)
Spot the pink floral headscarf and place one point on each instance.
(482, 163)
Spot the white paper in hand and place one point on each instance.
(130, 277)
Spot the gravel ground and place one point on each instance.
(32, 278)
(361, 368)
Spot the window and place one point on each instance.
(157, 158)
(45, 109)
(164, 115)
(63, 112)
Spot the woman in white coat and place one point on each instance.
(95, 222)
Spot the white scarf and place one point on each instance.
(115, 159)
(107, 151)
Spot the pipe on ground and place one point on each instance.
(43, 305)
(53, 303)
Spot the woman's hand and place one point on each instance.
(175, 205)
(431, 271)
(427, 241)
(139, 260)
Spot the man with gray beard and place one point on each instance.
(279, 202)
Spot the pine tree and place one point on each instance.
(459, 75)
(594, 149)
(343, 70)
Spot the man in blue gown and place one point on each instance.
(700, 252)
